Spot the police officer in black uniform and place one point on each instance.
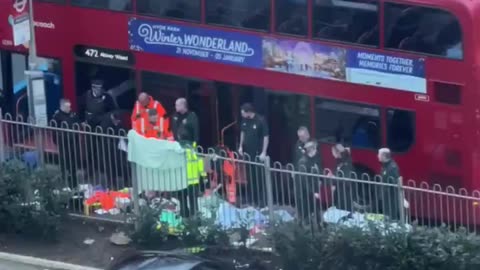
(67, 141)
(254, 142)
(115, 167)
(185, 122)
(299, 149)
(97, 104)
(306, 184)
(389, 196)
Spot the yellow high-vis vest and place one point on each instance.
(195, 167)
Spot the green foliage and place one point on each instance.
(202, 231)
(31, 201)
(353, 248)
(195, 231)
(148, 234)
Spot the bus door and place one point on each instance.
(202, 99)
(116, 72)
(164, 88)
(286, 113)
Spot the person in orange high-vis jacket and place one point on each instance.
(153, 126)
(140, 114)
(143, 104)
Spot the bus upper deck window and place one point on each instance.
(291, 17)
(177, 9)
(53, 1)
(117, 5)
(424, 30)
(347, 21)
(251, 14)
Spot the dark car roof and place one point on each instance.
(153, 260)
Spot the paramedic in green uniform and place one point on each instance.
(253, 143)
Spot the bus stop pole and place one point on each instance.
(2, 139)
(32, 61)
(30, 75)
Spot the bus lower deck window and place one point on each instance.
(400, 129)
(352, 124)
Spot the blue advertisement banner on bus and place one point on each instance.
(388, 71)
(280, 55)
(193, 42)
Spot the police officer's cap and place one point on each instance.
(248, 107)
(97, 82)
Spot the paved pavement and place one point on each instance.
(8, 265)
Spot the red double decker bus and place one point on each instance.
(396, 73)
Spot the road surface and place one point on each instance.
(8, 265)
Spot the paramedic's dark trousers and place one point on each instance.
(188, 200)
(255, 180)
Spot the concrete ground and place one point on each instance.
(9, 265)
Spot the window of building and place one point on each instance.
(356, 125)
(116, 5)
(291, 17)
(354, 21)
(423, 30)
(251, 14)
(400, 129)
(178, 9)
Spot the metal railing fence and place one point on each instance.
(236, 189)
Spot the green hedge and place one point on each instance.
(31, 201)
(332, 247)
(347, 248)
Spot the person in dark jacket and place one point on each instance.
(114, 160)
(299, 150)
(254, 140)
(67, 141)
(343, 188)
(306, 185)
(186, 122)
(97, 104)
(389, 196)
